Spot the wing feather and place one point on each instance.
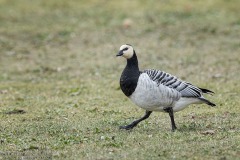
(185, 88)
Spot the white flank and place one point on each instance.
(150, 96)
(184, 102)
(153, 97)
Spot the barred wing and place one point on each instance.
(186, 89)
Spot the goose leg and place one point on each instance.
(170, 112)
(134, 123)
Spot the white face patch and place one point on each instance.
(128, 53)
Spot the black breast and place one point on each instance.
(128, 84)
(129, 77)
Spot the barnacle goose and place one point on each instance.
(155, 90)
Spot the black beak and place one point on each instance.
(120, 53)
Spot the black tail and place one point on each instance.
(206, 91)
(207, 102)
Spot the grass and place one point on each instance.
(59, 81)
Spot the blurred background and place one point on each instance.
(82, 37)
(58, 63)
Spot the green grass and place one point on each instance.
(58, 64)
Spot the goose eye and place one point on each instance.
(125, 49)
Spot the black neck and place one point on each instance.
(133, 62)
(130, 75)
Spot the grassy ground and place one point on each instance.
(59, 78)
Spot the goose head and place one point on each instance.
(126, 51)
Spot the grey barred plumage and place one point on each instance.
(155, 90)
(152, 96)
(185, 88)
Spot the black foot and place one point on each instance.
(174, 129)
(170, 111)
(128, 127)
(134, 123)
